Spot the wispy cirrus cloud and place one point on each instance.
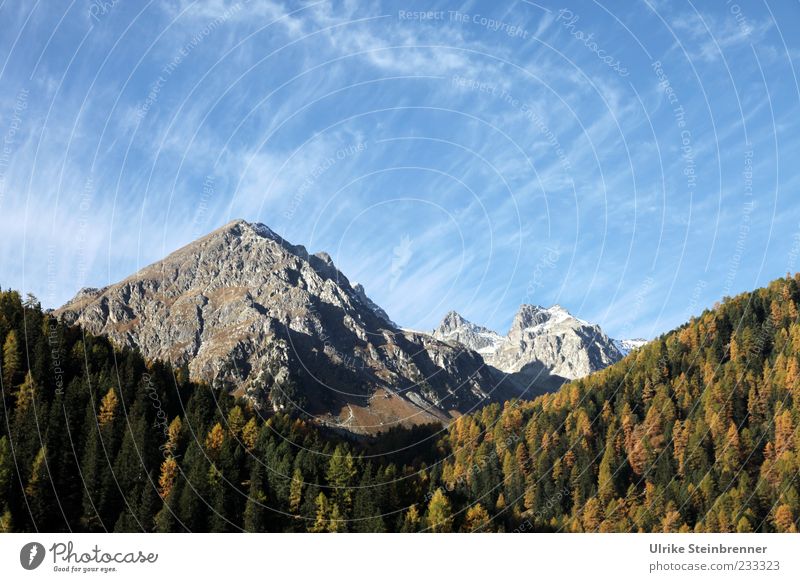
(474, 149)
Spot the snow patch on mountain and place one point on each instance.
(626, 346)
(454, 328)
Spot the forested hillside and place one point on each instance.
(695, 431)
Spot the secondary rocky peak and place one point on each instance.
(545, 346)
(531, 316)
(455, 328)
(528, 316)
(553, 345)
(452, 321)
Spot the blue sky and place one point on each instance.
(633, 162)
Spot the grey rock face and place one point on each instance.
(565, 346)
(243, 308)
(544, 347)
(455, 328)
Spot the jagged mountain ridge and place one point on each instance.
(544, 347)
(245, 309)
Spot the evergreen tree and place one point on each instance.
(412, 521)
(255, 513)
(12, 360)
(6, 471)
(296, 491)
(39, 492)
(440, 513)
(476, 520)
(341, 473)
(323, 511)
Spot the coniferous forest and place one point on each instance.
(695, 431)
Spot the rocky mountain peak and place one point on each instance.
(246, 310)
(451, 322)
(455, 328)
(530, 317)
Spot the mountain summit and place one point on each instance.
(455, 328)
(244, 309)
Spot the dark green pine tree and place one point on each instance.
(256, 513)
(223, 489)
(165, 520)
(131, 471)
(193, 492)
(149, 504)
(101, 496)
(12, 361)
(6, 470)
(308, 509)
(25, 438)
(367, 504)
(341, 476)
(25, 430)
(44, 508)
(91, 471)
(6, 476)
(62, 463)
(218, 519)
